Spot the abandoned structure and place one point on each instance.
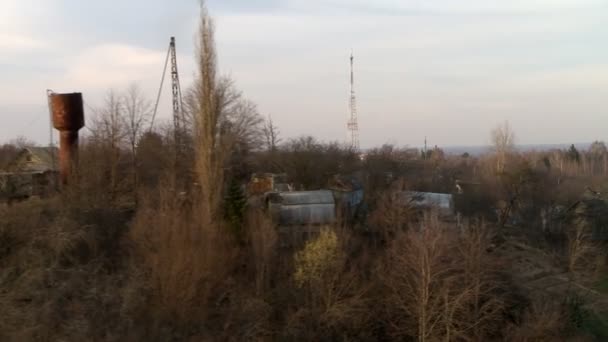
(68, 119)
(302, 207)
(348, 195)
(35, 169)
(33, 172)
(443, 203)
(262, 183)
(590, 215)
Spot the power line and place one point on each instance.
(160, 88)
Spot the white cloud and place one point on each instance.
(16, 34)
(423, 66)
(19, 43)
(111, 66)
(438, 6)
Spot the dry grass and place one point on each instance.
(580, 246)
(263, 242)
(56, 272)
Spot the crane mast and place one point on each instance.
(176, 97)
(176, 92)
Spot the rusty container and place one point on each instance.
(68, 119)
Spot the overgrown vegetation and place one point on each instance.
(156, 240)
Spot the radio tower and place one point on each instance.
(352, 124)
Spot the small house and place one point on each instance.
(33, 172)
(262, 183)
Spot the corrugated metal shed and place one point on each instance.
(306, 197)
(348, 193)
(441, 201)
(303, 207)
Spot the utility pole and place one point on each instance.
(425, 149)
(352, 124)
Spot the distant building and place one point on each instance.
(33, 172)
(443, 203)
(35, 159)
(262, 183)
(591, 215)
(348, 194)
(302, 207)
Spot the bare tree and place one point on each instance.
(210, 146)
(416, 293)
(271, 134)
(182, 239)
(109, 133)
(220, 116)
(446, 287)
(480, 308)
(247, 123)
(331, 288)
(137, 110)
(22, 142)
(503, 140)
(238, 117)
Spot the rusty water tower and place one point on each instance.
(68, 119)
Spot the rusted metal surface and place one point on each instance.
(68, 111)
(267, 182)
(68, 118)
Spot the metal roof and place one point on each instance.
(303, 207)
(305, 197)
(429, 199)
(306, 214)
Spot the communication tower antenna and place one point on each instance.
(352, 124)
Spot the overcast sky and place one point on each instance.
(447, 69)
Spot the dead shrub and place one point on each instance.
(543, 320)
(186, 255)
(263, 243)
(331, 294)
(54, 274)
(580, 246)
(391, 214)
